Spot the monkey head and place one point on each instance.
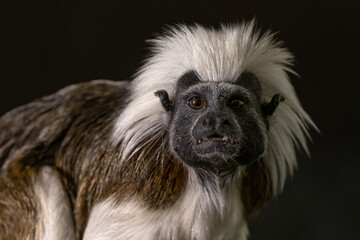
(218, 126)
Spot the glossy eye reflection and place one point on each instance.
(237, 103)
(196, 103)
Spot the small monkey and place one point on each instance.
(200, 140)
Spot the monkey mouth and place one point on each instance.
(215, 138)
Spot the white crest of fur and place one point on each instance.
(198, 214)
(217, 55)
(54, 219)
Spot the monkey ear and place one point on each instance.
(267, 109)
(164, 99)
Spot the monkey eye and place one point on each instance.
(196, 103)
(236, 103)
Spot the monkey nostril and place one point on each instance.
(206, 121)
(226, 122)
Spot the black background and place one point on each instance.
(46, 45)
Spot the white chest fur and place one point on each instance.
(201, 214)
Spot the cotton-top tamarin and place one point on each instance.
(201, 139)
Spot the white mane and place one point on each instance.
(217, 55)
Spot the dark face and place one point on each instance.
(216, 126)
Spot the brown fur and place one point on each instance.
(256, 188)
(71, 130)
(156, 183)
(18, 206)
(78, 123)
(153, 182)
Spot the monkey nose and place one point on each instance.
(207, 122)
(216, 121)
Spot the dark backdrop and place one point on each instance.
(46, 45)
